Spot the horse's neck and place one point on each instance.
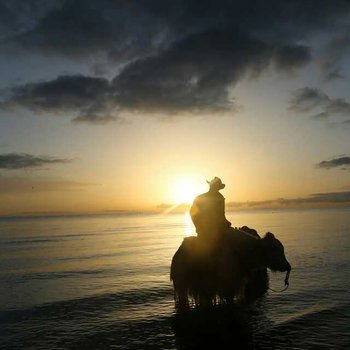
(256, 258)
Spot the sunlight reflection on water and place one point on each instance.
(79, 282)
(189, 228)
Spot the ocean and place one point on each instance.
(102, 282)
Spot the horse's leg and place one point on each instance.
(241, 292)
(205, 301)
(228, 298)
(179, 274)
(181, 300)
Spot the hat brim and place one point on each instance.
(220, 187)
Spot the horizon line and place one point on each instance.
(182, 208)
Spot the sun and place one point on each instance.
(185, 190)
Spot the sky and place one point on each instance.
(132, 105)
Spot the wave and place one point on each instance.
(322, 326)
(123, 320)
(99, 303)
(43, 239)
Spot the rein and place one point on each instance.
(286, 284)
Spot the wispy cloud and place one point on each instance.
(319, 105)
(317, 199)
(342, 162)
(306, 99)
(14, 161)
(337, 48)
(327, 199)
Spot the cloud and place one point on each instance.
(314, 200)
(292, 57)
(171, 58)
(134, 28)
(70, 30)
(346, 122)
(14, 161)
(97, 118)
(18, 17)
(330, 197)
(86, 98)
(307, 99)
(79, 29)
(192, 76)
(336, 50)
(327, 199)
(59, 95)
(195, 73)
(343, 162)
(312, 100)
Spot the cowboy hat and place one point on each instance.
(216, 183)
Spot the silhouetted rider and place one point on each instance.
(208, 212)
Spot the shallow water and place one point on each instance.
(95, 282)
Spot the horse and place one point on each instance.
(232, 269)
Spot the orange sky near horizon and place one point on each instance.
(149, 165)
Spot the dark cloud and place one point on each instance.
(331, 197)
(331, 70)
(312, 100)
(86, 98)
(18, 17)
(172, 57)
(337, 48)
(59, 95)
(13, 161)
(71, 29)
(81, 28)
(133, 28)
(193, 75)
(339, 162)
(96, 118)
(338, 106)
(317, 199)
(289, 57)
(307, 99)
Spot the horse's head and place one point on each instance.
(274, 253)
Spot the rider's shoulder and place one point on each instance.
(207, 196)
(201, 196)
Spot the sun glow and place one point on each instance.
(185, 190)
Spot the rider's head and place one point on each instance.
(215, 184)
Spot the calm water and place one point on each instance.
(102, 282)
